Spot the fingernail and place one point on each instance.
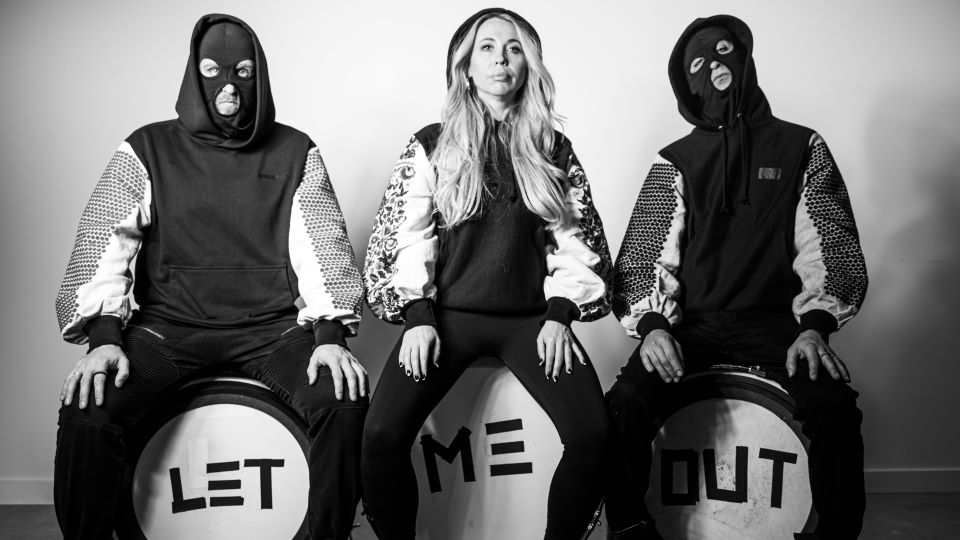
(416, 378)
(409, 372)
(555, 378)
(541, 363)
(569, 371)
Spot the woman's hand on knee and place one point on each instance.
(91, 370)
(812, 347)
(344, 368)
(557, 348)
(419, 348)
(660, 352)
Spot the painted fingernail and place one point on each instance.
(569, 371)
(409, 372)
(541, 362)
(555, 378)
(416, 378)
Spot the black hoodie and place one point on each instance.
(741, 187)
(216, 252)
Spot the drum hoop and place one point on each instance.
(193, 395)
(739, 385)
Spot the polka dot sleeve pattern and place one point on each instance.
(321, 253)
(579, 266)
(829, 260)
(98, 277)
(403, 247)
(645, 272)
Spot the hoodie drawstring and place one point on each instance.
(744, 160)
(724, 208)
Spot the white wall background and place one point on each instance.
(880, 81)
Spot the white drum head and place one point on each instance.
(513, 450)
(730, 463)
(228, 461)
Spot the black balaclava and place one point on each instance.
(708, 45)
(195, 110)
(227, 44)
(465, 27)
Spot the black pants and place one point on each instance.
(826, 407)
(91, 446)
(400, 406)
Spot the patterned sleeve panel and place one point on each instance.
(579, 266)
(403, 248)
(98, 277)
(321, 253)
(645, 273)
(828, 260)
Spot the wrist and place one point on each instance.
(327, 332)
(561, 310)
(418, 312)
(104, 330)
(652, 321)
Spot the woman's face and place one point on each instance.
(498, 66)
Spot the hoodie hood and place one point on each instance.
(194, 110)
(464, 28)
(744, 97)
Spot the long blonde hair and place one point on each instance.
(527, 131)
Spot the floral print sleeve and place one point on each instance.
(402, 252)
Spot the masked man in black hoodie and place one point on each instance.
(742, 249)
(231, 217)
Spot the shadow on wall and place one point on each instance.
(904, 360)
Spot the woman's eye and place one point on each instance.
(724, 47)
(516, 50)
(696, 64)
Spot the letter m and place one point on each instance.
(432, 449)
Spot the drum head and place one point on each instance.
(730, 462)
(484, 460)
(219, 459)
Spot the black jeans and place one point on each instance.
(91, 446)
(826, 407)
(574, 404)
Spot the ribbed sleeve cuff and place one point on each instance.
(652, 321)
(104, 330)
(561, 310)
(819, 320)
(418, 312)
(329, 332)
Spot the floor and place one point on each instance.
(896, 516)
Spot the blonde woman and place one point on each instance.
(487, 244)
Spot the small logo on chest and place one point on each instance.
(268, 176)
(768, 173)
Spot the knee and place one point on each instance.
(831, 402)
(382, 438)
(95, 416)
(589, 441)
(628, 396)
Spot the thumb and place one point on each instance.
(311, 372)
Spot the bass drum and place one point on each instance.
(484, 460)
(221, 458)
(730, 462)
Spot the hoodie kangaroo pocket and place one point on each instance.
(233, 294)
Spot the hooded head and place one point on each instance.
(713, 75)
(464, 30)
(225, 97)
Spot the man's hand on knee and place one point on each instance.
(811, 346)
(92, 370)
(660, 352)
(343, 366)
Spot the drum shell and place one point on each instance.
(514, 449)
(262, 427)
(740, 425)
